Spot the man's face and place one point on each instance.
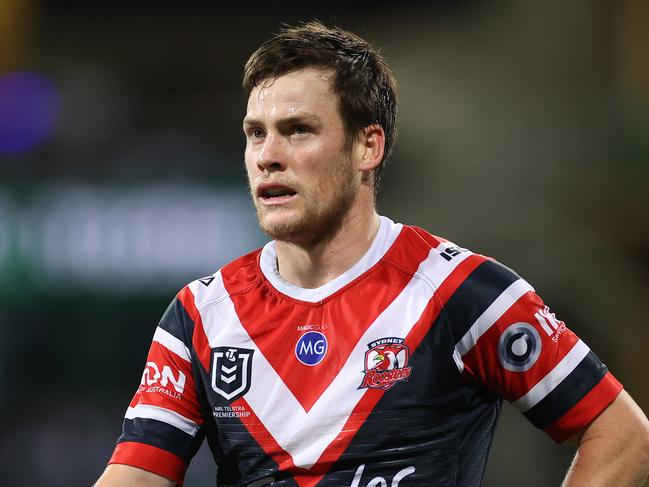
(302, 178)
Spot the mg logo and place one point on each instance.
(311, 348)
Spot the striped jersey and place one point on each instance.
(392, 374)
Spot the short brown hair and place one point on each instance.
(363, 81)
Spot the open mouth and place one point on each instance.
(275, 193)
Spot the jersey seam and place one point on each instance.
(328, 298)
(416, 274)
(427, 281)
(223, 297)
(460, 437)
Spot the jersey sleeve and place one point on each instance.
(508, 340)
(162, 428)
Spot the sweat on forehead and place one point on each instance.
(312, 73)
(303, 90)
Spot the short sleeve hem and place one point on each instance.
(586, 410)
(151, 459)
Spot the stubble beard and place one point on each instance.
(317, 223)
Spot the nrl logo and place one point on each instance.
(386, 363)
(231, 370)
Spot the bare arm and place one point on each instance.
(126, 476)
(614, 449)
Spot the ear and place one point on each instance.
(370, 147)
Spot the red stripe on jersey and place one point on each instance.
(248, 309)
(372, 396)
(483, 361)
(356, 419)
(267, 443)
(307, 480)
(586, 410)
(199, 340)
(407, 251)
(458, 276)
(432, 240)
(276, 323)
(364, 408)
(151, 459)
(154, 393)
(310, 477)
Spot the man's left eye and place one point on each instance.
(301, 129)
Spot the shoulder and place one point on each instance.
(234, 278)
(416, 240)
(444, 262)
(465, 283)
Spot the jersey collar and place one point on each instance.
(385, 237)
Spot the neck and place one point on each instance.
(312, 266)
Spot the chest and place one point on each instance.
(290, 371)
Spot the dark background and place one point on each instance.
(523, 135)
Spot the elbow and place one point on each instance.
(625, 428)
(643, 447)
(638, 444)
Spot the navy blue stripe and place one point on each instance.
(571, 390)
(166, 437)
(177, 322)
(475, 295)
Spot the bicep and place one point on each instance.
(163, 425)
(126, 476)
(509, 341)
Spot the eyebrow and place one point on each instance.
(303, 117)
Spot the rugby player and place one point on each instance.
(352, 350)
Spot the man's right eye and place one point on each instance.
(255, 133)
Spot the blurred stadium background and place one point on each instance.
(524, 134)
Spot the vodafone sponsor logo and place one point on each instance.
(164, 381)
(519, 347)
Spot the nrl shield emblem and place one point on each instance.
(231, 370)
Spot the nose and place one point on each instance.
(272, 156)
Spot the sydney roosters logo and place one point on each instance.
(386, 363)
